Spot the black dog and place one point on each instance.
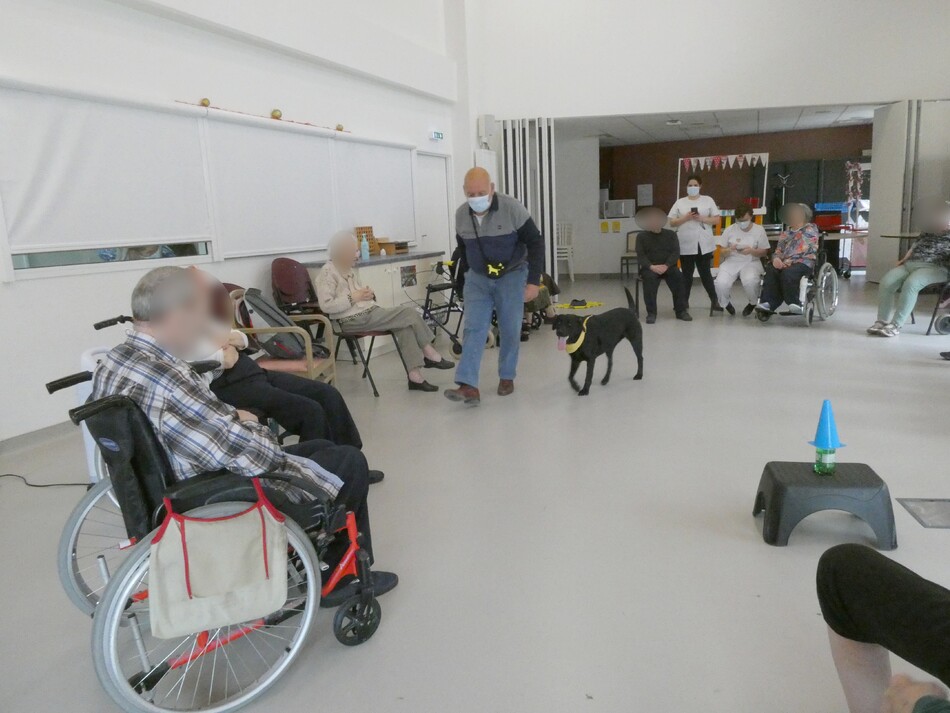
(586, 338)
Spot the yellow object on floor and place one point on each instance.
(586, 305)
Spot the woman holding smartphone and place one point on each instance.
(694, 216)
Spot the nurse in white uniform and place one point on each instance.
(694, 216)
(741, 245)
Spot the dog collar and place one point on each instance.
(572, 347)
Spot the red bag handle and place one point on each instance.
(262, 502)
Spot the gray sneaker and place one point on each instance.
(890, 330)
(876, 327)
(796, 309)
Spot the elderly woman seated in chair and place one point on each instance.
(924, 264)
(353, 307)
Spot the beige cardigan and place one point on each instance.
(334, 290)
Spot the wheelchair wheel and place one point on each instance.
(809, 314)
(214, 671)
(93, 544)
(942, 325)
(762, 316)
(826, 291)
(356, 621)
(457, 348)
(536, 320)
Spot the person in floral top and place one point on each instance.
(793, 259)
(924, 264)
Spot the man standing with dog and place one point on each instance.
(503, 257)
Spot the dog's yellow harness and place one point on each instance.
(572, 347)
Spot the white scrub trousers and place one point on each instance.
(749, 273)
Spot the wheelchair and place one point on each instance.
(104, 566)
(817, 292)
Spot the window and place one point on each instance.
(90, 256)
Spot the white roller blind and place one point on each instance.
(374, 187)
(272, 189)
(82, 174)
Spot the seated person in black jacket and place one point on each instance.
(874, 607)
(658, 251)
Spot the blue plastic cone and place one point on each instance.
(827, 434)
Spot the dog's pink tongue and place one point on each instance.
(561, 343)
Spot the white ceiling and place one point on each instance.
(654, 128)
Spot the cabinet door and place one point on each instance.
(378, 277)
(409, 280)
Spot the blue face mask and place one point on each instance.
(692, 190)
(479, 204)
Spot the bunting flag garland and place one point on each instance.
(740, 160)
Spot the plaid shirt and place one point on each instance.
(199, 432)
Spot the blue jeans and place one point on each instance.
(504, 296)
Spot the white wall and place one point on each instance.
(577, 161)
(568, 58)
(107, 48)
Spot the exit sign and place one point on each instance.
(436, 136)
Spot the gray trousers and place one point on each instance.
(408, 328)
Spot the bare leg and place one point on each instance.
(430, 353)
(864, 671)
(415, 376)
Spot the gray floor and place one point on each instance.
(569, 554)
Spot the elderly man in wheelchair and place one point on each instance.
(798, 273)
(171, 446)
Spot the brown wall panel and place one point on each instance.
(624, 167)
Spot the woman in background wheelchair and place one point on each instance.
(795, 257)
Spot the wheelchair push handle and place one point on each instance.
(121, 319)
(67, 381)
(81, 413)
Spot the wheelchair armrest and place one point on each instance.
(301, 484)
(206, 488)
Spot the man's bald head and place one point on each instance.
(477, 178)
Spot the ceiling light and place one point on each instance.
(673, 122)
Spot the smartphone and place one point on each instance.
(694, 211)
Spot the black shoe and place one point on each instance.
(945, 355)
(443, 364)
(423, 386)
(749, 309)
(382, 582)
(376, 476)
(716, 307)
(684, 316)
(730, 309)
(651, 319)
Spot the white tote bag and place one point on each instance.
(208, 573)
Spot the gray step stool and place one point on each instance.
(790, 492)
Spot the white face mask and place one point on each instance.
(692, 190)
(479, 204)
(744, 224)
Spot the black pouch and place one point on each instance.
(494, 270)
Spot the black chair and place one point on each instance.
(627, 260)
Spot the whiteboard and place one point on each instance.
(374, 187)
(272, 189)
(77, 173)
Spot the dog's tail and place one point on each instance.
(630, 301)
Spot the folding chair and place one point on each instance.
(564, 238)
(354, 339)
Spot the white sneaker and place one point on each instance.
(890, 330)
(763, 307)
(876, 327)
(796, 309)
